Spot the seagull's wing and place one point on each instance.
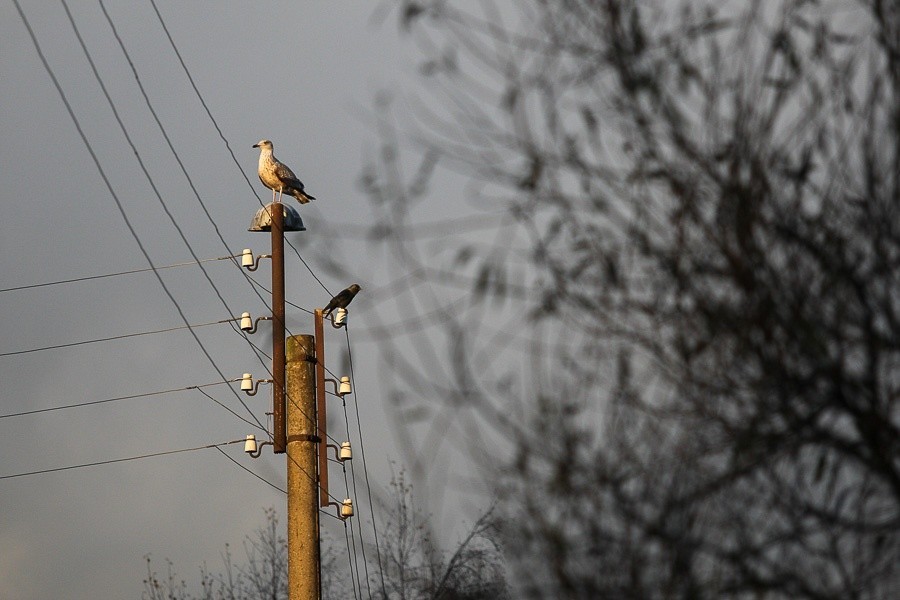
(284, 173)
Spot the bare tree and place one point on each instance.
(678, 297)
(263, 577)
(416, 568)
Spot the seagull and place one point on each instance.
(342, 299)
(277, 176)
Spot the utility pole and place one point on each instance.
(302, 498)
(278, 356)
(298, 410)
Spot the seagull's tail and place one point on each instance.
(301, 196)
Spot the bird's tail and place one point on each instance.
(302, 197)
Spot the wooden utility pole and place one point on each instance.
(321, 408)
(302, 498)
(278, 358)
(294, 414)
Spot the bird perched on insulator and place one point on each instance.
(341, 300)
(276, 175)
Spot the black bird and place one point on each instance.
(342, 299)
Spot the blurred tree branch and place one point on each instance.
(685, 327)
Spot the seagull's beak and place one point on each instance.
(255, 146)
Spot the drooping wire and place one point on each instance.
(258, 349)
(222, 135)
(130, 397)
(134, 149)
(232, 412)
(112, 191)
(228, 147)
(354, 579)
(365, 467)
(147, 174)
(260, 477)
(168, 140)
(352, 535)
(243, 174)
(183, 169)
(356, 495)
(200, 97)
(288, 302)
(308, 268)
(114, 337)
(132, 231)
(116, 460)
(312, 477)
(140, 160)
(328, 514)
(91, 277)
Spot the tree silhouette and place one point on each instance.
(674, 306)
(415, 567)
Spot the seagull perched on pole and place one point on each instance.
(342, 299)
(277, 176)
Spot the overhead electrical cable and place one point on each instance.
(232, 412)
(168, 140)
(92, 277)
(222, 135)
(112, 191)
(202, 101)
(365, 467)
(181, 165)
(365, 562)
(116, 460)
(140, 161)
(114, 337)
(351, 540)
(354, 575)
(288, 302)
(134, 234)
(204, 104)
(260, 477)
(116, 399)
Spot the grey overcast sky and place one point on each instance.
(299, 73)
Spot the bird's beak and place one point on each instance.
(255, 146)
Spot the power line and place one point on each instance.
(354, 579)
(90, 277)
(352, 536)
(266, 481)
(215, 123)
(168, 140)
(140, 161)
(124, 131)
(228, 147)
(356, 495)
(172, 149)
(115, 337)
(233, 412)
(116, 460)
(108, 184)
(177, 159)
(308, 268)
(202, 101)
(222, 135)
(136, 237)
(365, 469)
(150, 455)
(116, 399)
(268, 291)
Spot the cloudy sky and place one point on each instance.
(301, 74)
